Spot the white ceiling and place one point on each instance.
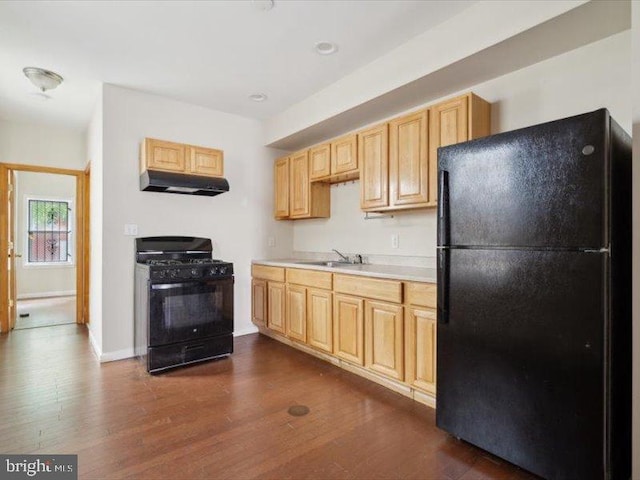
(210, 53)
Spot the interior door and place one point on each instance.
(12, 248)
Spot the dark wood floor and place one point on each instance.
(225, 419)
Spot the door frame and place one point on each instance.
(82, 223)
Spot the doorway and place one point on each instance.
(44, 221)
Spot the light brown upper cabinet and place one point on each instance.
(320, 161)
(373, 153)
(395, 174)
(178, 157)
(205, 161)
(453, 121)
(344, 155)
(299, 185)
(409, 161)
(281, 187)
(295, 196)
(335, 162)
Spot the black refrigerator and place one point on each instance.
(534, 296)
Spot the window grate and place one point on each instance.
(48, 231)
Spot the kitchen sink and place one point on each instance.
(329, 263)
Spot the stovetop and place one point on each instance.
(184, 261)
(186, 269)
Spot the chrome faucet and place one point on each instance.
(345, 258)
(356, 258)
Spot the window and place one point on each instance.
(49, 231)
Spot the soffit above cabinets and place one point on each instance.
(304, 125)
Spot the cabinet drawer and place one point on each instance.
(309, 278)
(422, 294)
(275, 274)
(376, 288)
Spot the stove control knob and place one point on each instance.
(213, 271)
(173, 273)
(194, 272)
(223, 270)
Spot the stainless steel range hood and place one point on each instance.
(186, 184)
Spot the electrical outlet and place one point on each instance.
(395, 240)
(130, 229)
(271, 241)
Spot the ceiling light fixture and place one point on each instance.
(326, 48)
(258, 97)
(43, 79)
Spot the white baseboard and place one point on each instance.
(246, 331)
(94, 345)
(117, 355)
(26, 296)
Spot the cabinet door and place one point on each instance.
(344, 154)
(297, 312)
(299, 185)
(348, 328)
(384, 339)
(259, 302)
(374, 167)
(320, 161)
(420, 348)
(281, 187)
(320, 319)
(165, 156)
(409, 160)
(276, 319)
(449, 125)
(205, 161)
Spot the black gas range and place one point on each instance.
(184, 302)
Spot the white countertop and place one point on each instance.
(395, 272)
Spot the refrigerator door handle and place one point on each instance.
(443, 286)
(443, 208)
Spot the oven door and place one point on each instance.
(190, 310)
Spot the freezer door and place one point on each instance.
(521, 362)
(542, 186)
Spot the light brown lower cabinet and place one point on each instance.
(359, 320)
(348, 328)
(420, 348)
(320, 319)
(384, 338)
(297, 312)
(276, 319)
(259, 302)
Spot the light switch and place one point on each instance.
(271, 241)
(130, 229)
(395, 240)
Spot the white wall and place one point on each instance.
(37, 281)
(594, 76)
(238, 222)
(94, 156)
(43, 145)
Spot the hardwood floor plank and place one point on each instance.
(222, 419)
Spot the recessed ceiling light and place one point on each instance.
(263, 5)
(326, 48)
(258, 97)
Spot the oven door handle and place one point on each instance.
(167, 286)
